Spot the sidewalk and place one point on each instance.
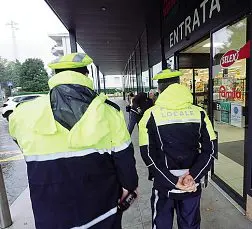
(217, 211)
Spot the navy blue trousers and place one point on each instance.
(187, 210)
(133, 120)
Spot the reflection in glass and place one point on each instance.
(156, 69)
(229, 104)
(197, 81)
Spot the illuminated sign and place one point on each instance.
(229, 58)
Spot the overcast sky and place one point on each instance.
(35, 21)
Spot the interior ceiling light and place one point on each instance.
(103, 8)
(216, 44)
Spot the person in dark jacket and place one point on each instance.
(177, 144)
(140, 104)
(79, 155)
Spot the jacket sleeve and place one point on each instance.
(208, 147)
(150, 150)
(123, 152)
(13, 125)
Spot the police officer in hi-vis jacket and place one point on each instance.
(177, 143)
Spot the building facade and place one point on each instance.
(210, 42)
(107, 83)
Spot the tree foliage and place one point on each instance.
(33, 76)
(30, 76)
(13, 71)
(3, 70)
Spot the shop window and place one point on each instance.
(229, 76)
(187, 78)
(156, 69)
(171, 63)
(145, 78)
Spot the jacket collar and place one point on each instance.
(70, 77)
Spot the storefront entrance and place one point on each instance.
(194, 63)
(224, 97)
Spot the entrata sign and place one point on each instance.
(229, 58)
(207, 10)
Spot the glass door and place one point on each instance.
(229, 96)
(197, 81)
(201, 87)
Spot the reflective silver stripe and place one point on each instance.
(155, 209)
(79, 57)
(177, 191)
(55, 156)
(157, 167)
(82, 153)
(121, 147)
(162, 148)
(98, 219)
(149, 165)
(173, 121)
(178, 172)
(211, 155)
(162, 145)
(134, 111)
(200, 129)
(166, 163)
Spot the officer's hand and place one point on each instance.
(124, 194)
(188, 180)
(180, 184)
(191, 187)
(186, 188)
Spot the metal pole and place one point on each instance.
(164, 62)
(13, 25)
(5, 217)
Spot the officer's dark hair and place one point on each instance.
(164, 83)
(83, 70)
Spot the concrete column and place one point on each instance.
(98, 79)
(73, 44)
(104, 84)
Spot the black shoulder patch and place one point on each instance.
(112, 104)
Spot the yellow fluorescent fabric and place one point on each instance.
(174, 105)
(166, 74)
(209, 127)
(101, 128)
(143, 134)
(70, 77)
(73, 60)
(175, 97)
(166, 117)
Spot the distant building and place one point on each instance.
(63, 47)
